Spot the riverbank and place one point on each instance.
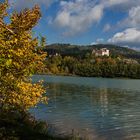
(74, 75)
(14, 127)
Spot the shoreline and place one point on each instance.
(74, 75)
(29, 128)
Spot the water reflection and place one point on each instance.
(97, 112)
(103, 101)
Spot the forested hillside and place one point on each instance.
(69, 59)
(81, 51)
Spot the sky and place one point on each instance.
(87, 21)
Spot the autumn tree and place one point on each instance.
(19, 60)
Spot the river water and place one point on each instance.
(95, 108)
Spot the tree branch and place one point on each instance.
(7, 28)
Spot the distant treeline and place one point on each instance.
(70, 59)
(91, 66)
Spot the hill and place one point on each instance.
(78, 60)
(80, 51)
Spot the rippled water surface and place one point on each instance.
(96, 108)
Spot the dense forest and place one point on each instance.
(68, 59)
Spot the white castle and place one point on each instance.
(101, 52)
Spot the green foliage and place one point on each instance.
(94, 66)
(43, 42)
(78, 60)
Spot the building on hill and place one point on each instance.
(101, 52)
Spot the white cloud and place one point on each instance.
(77, 16)
(134, 16)
(115, 2)
(93, 43)
(118, 5)
(132, 10)
(98, 41)
(132, 20)
(129, 37)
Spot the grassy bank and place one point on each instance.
(15, 127)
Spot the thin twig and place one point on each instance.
(7, 28)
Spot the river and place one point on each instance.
(95, 108)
